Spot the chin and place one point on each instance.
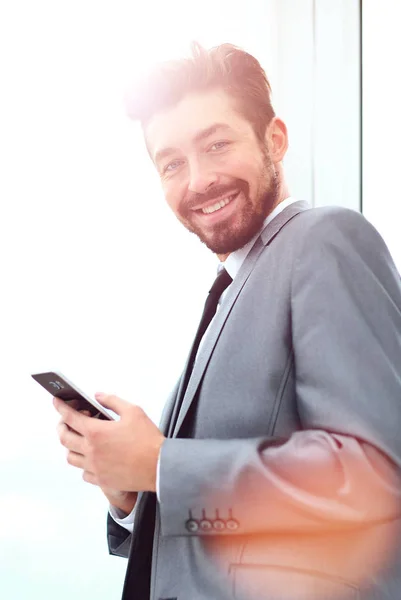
(227, 242)
(226, 246)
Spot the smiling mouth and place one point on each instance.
(218, 205)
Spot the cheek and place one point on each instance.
(253, 178)
(237, 168)
(247, 170)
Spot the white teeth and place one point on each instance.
(217, 206)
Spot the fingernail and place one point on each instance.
(99, 395)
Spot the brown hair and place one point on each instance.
(225, 66)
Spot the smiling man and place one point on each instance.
(275, 472)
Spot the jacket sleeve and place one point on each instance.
(118, 538)
(342, 470)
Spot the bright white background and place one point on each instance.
(97, 279)
(95, 272)
(382, 119)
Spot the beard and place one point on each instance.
(229, 236)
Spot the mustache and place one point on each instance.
(193, 200)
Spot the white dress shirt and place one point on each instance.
(232, 264)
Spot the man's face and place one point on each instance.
(216, 175)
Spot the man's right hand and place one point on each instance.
(124, 501)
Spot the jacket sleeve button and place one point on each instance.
(206, 525)
(192, 525)
(232, 524)
(219, 524)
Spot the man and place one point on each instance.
(276, 469)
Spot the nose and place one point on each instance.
(201, 178)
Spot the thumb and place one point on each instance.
(114, 403)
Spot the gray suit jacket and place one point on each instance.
(280, 479)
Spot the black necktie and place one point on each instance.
(221, 282)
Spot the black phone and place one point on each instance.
(58, 385)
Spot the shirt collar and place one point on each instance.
(233, 262)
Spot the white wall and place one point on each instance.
(318, 95)
(382, 119)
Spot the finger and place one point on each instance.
(76, 460)
(114, 403)
(71, 417)
(71, 439)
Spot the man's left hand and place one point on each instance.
(121, 455)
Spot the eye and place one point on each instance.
(219, 145)
(172, 166)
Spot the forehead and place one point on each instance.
(180, 125)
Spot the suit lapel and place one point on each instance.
(168, 412)
(270, 231)
(173, 409)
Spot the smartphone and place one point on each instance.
(58, 385)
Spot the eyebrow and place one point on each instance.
(201, 135)
(205, 133)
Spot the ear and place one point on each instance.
(277, 139)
